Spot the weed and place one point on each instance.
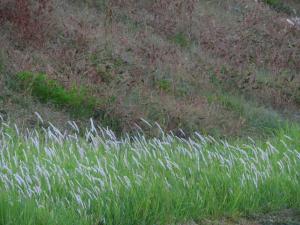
(181, 40)
(164, 85)
(104, 72)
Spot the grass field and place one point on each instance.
(54, 177)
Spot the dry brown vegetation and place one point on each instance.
(179, 63)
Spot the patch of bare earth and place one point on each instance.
(284, 217)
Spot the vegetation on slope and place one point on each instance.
(173, 65)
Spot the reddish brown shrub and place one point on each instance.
(30, 20)
(171, 16)
(167, 17)
(261, 38)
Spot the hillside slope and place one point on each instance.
(221, 67)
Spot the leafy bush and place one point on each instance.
(181, 39)
(47, 90)
(164, 85)
(77, 100)
(278, 5)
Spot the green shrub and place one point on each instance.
(181, 40)
(164, 85)
(279, 6)
(2, 62)
(47, 90)
(258, 117)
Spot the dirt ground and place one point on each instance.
(285, 217)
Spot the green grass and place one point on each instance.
(52, 177)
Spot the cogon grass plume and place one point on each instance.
(60, 177)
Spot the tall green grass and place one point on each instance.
(55, 177)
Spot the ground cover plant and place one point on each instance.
(54, 177)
